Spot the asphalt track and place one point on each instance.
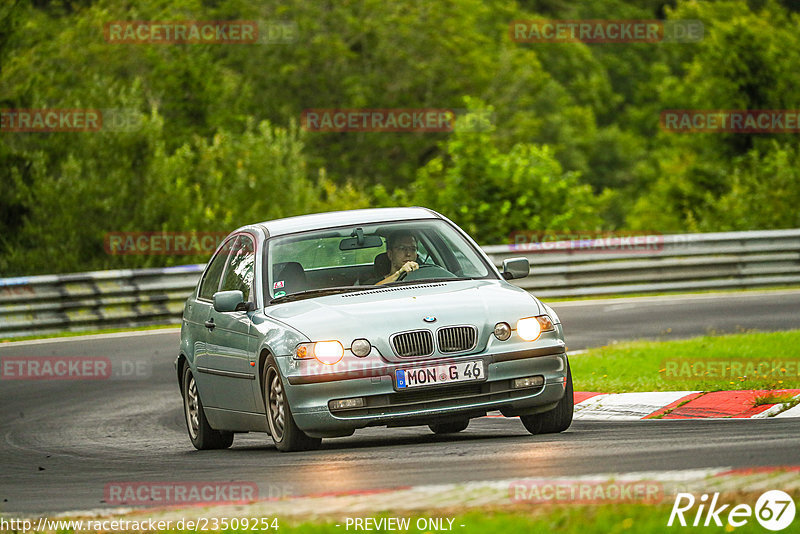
(61, 442)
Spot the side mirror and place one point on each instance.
(228, 301)
(516, 268)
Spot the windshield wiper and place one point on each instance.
(310, 293)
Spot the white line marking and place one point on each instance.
(626, 406)
(792, 412)
(667, 298)
(90, 337)
(773, 410)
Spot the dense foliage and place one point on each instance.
(217, 143)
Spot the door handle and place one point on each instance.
(210, 324)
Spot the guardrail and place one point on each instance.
(578, 268)
(93, 300)
(683, 262)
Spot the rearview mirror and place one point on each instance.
(516, 268)
(228, 301)
(359, 240)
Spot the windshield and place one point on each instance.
(364, 255)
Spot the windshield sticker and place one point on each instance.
(278, 284)
(279, 294)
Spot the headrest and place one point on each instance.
(381, 265)
(291, 274)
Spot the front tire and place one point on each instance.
(450, 427)
(285, 432)
(201, 434)
(556, 420)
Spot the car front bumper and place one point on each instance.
(384, 405)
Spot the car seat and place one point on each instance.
(292, 275)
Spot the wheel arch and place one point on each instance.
(264, 354)
(180, 365)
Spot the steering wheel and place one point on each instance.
(405, 273)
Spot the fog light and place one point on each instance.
(502, 331)
(528, 382)
(361, 347)
(346, 404)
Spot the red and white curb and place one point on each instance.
(409, 499)
(683, 405)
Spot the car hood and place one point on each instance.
(378, 313)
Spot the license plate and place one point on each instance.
(439, 374)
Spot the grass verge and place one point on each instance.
(766, 361)
(772, 398)
(566, 519)
(609, 518)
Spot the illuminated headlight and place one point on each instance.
(502, 331)
(531, 328)
(327, 352)
(361, 347)
(346, 404)
(528, 382)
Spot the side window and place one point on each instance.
(214, 272)
(241, 268)
(422, 252)
(467, 265)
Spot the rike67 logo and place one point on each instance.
(774, 510)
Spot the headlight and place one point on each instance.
(502, 331)
(530, 328)
(361, 347)
(327, 352)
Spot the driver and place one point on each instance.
(401, 249)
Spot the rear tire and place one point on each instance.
(201, 434)
(450, 427)
(556, 420)
(285, 432)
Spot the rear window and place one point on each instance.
(321, 252)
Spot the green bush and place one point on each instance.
(492, 193)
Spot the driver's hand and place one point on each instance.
(408, 267)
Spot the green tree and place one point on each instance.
(492, 193)
(748, 59)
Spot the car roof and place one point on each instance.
(332, 219)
